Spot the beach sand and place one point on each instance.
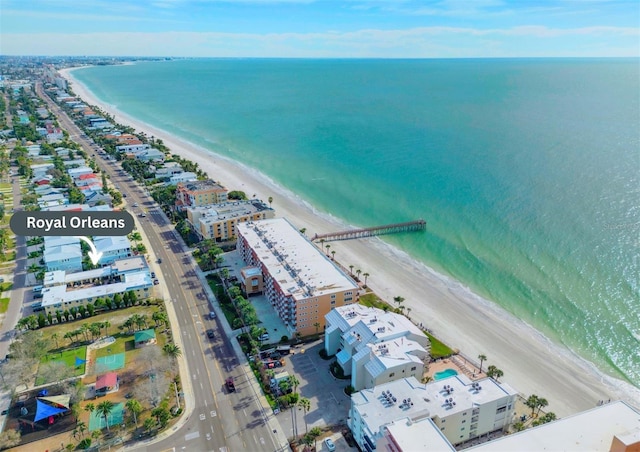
(531, 363)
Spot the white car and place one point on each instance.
(330, 444)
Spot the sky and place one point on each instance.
(322, 28)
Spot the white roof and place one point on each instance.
(389, 354)
(225, 211)
(591, 430)
(421, 435)
(50, 241)
(111, 243)
(60, 294)
(364, 324)
(53, 278)
(56, 253)
(300, 268)
(428, 399)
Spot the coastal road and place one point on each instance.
(220, 421)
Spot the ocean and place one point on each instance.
(527, 171)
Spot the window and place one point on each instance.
(391, 374)
(413, 368)
(464, 414)
(501, 410)
(464, 420)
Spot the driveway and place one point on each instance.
(329, 404)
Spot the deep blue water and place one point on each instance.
(527, 171)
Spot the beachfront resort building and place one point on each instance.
(374, 346)
(300, 281)
(457, 407)
(612, 427)
(218, 221)
(63, 291)
(199, 193)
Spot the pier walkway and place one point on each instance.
(409, 226)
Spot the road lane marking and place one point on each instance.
(213, 413)
(192, 435)
(203, 417)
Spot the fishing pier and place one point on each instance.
(409, 226)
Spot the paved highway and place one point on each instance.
(217, 421)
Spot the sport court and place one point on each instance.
(116, 417)
(110, 362)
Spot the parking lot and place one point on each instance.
(329, 404)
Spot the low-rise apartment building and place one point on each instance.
(218, 221)
(374, 346)
(300, 282)
(64, 290)
(459, 408)
(199, 193)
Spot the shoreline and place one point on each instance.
(531, 362)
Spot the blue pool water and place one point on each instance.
(445, 374)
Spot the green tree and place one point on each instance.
(482, 359)
(532, 402)
(305, 404)
(104, 409)
(135, 408)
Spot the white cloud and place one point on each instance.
(423, 42)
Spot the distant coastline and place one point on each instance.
(529, 359)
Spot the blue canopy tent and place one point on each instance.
(44, 411)
(80, 361)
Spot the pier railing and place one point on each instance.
(409, 226)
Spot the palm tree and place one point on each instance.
(306, 406)
(358, 271)
(104, 409)
(90, 407)
(399, 300)
(482, 359)
(54, 336)
(542, 402)
(160, 317)
(321, 243)
(106, 324)
(135, 408)
(172, 351)
(270, 200)
(366, 275)
(408, 312)
(294, 382)
(532, 402)
(327, 247)
(333, 255)
(351, 269)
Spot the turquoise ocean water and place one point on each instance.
(527, 171)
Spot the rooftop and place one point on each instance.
(440, 398)
(591, 430)
(216, 212)
(59, 294)
(300, 268)
(415, 436)
(207, 184)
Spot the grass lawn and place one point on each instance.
(5, 286)
(438, 349)
(68, 357)
(4, 304)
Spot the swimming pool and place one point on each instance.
(445, 374)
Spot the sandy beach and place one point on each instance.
(531, 363)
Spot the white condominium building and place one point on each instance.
(374, 346)
(459, 408)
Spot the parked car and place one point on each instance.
(211, 334)
(212, 315)
(264, 337)
(156, 282)
(330, 444)
(230, 384)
